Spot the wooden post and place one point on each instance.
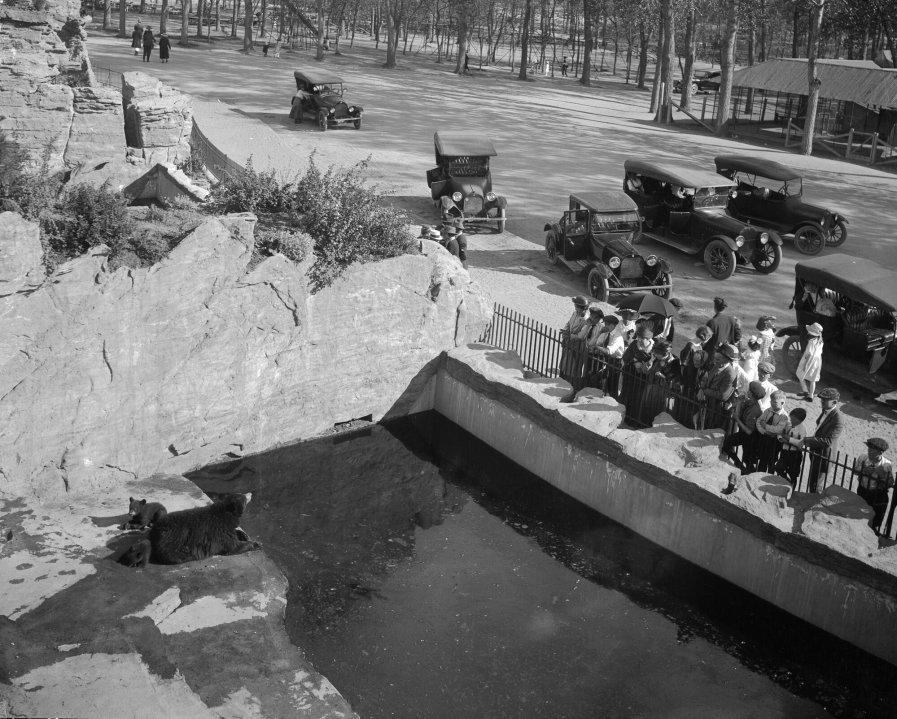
(847, 152)
(874, 148)
(763, 109)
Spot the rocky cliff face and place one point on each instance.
(110, 375)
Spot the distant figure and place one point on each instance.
(564, 67)
(164, 47)
(724, 328)
(149, 42)
(265, 47)
(137, 38)
(466, 64)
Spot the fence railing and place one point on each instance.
(648, 391)
(202, 149)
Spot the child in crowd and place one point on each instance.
(809, 368)
(765, 370)
(790, 455)
(770, 425)
(746, 433)
(750, 359)
(767, 329)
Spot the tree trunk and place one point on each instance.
(644, 39)
(122, 18)
(727, 66)
(107, 14)
(524, 39)
(817, 8)
(163, 18)
(393, 25)
(463, 37)
(795, 30)
(762, 42)
(200, 6)
(233, 19)
(185, 22)
(655, 87)
(247, 26)
(319, 45)
(667, 60)
(587, 43)
(688, 70)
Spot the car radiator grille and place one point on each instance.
(632, 267)
(473, 204)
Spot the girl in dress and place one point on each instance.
(810, 366)
(766, 325)
(750, 358)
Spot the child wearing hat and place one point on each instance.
(746, 433)
(875, 476)
(809, 369)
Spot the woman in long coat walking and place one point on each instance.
(164, 47)
(137, 39)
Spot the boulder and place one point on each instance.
(21, 255)
(158, 119)
(840, 519)
(765, 496)
(98, 128)
(122, 374)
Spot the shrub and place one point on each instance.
(88, 216)
(33, 190)
(347, 221)
(251, 191)
(295, 245)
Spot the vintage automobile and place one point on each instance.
(320, 94)
(701, 81)
(461, 182)
(855, 301)
(685, 208)
(594, 237)
(770, 194)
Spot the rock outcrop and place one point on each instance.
(106, 376)
(98, 128)
(158, 119)
(20, 255)
(840, 519)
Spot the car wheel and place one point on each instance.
(597, 285)
(838, 235)
(664, 279)
(502, 220)
(791, 353)
(767, 257)
(322, 121)
(719, 260)
(809, 240)
(551, 249)
(358, 123)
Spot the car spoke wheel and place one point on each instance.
(767, 257)
(791, 353)
(719, 260)
(597, 285)
(500, 225)
(322, 121)
(358, 123)
(838, 235)
(551, 249)
(664, 279)
(809, 240)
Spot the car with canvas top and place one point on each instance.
(321, 95)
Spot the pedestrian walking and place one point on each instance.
(564, 66)
(770, 426)
(719, 389)
(724, 327)
(875, 476)
(164, 47)
(791, 441)
(137, 39)
(745, 432)
(824, 442)
(149, 42)
(809, 368)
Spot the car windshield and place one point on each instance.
(330, 89)
(614, 221)
(792, 187)
(468, 166)
(711, 196)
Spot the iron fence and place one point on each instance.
(549, 352)
(108, 77)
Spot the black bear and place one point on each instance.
(142, 514)
(193, 534)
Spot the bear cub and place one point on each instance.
(142, 514)
(192, 534)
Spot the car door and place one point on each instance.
(645, 192)
(575, 228)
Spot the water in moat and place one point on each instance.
(431, 577)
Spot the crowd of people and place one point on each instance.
(721, 379)
(451, 236)
(143, 38)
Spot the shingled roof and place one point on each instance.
(859, 81)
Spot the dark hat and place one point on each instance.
(877, 443)
(829, 393)
(730, 351)
(627, 311)
(613, 319)
(595, 307)
(766, 367)
(580, 301)
(757, 390)
(703, 331)
(661, 346)
(720, 302)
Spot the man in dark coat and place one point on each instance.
(724, 328)
(824, 442)
(149, 42)
(719, 391)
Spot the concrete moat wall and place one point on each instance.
(667, 488)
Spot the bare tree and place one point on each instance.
(163, 18)
(727, 66)
(524, 39)
(688, 70)
(588, 41)
(319, 46)
(466, 14)
(247, 25)
(122, 18)
(185, 21)
(817, 7)
(665, 59)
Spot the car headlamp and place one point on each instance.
(614, 262)
(739, 241)
(651, 260)
(456, 196)
(330, 112)
(351, 108)
(490, 196)
(764, 238)
(733, 194)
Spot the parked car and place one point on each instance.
(594, 237)
(701, 81)
(461, 182)
(685, 208)
(855, 301)
(320, 94)
(771, 194)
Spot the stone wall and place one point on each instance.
(98, 129)
(818, 561)
(158, 119)
(110, 375)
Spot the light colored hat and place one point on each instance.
(814, 330)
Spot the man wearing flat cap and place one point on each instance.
(875, 476)
(719, 389)
(724, 328)
(824, 442)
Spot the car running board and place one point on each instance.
(682, 245)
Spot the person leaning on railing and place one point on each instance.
(719, 389)
(570, 354)
(875, 476)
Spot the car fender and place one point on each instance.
(605, 271)
(807, 223)
(789, 331)
(838, 217)
(774, 236)
(730, 242)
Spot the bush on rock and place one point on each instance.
(251, 191)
